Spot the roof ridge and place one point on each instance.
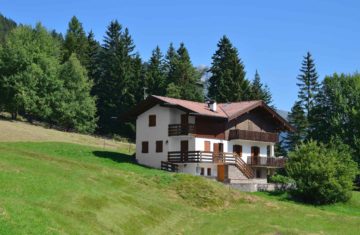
(220, 106)
(159, 96)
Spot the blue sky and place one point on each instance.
(271, 36)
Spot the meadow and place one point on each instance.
(64, 188)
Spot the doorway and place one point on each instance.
(237, 149)
(218, 149)
(184, 148)
(255, 152)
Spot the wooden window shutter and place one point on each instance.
(159, 146)
(145, 147)
(207, 146)
(152, 120)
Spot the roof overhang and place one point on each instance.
(151, 101)
(261, 104)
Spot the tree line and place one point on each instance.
(326, 111)
(80, 84)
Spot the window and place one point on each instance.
(152, 120)
(159, 146)
(202, 171)
(268, 151)
(209, 171)
(145, 147)
(207, 146)
(258, 173)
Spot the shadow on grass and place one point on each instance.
(116, 157)
(119, 158)
(279, 195)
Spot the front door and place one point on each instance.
(184, 148)
(255, 151)
(238, 150)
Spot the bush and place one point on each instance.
(322, 174)
(280, 179)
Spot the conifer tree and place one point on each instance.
(227, 82)
(308, 83)
(170, 63)
(6, 25)
(183, 78)
(76, 41)
(76, 109)
(297, 118)
(260, 91)
(92, 53)
(155, 80)
(119, 86)
(29, 62)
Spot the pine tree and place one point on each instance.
(308, 83)
(120, 83)
(155, 81)
(92, 53)
(182, 77)
(297, 118)
(6, 25)
(110, 85)
(76, 41)
(227, 82)
(77, 108)
(170, 63)
(57, 36)
(260, 91)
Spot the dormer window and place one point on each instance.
(152, 120)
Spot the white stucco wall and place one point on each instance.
(200, 146)
(246, 147)
(194, 168)
(152, 134)
(166, 116)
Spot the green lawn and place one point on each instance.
(58, 188)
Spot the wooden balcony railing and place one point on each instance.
(181, 129)
(201, 156)
(253, 135)
(210, 157)
(266, 161)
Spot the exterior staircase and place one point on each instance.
(243, 167)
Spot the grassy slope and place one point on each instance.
(13, 131)
(71, 189)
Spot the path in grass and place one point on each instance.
(59, 188)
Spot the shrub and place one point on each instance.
(322, 174)
(280, 179)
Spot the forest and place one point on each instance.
(77, 83)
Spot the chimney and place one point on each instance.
(212, 105)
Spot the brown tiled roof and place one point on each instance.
(196, 107)
(227, 111)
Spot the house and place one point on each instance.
(232, 142)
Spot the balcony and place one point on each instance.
(272, 162)
(200, 156)
(253, 135)
(181, 129)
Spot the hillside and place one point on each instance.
(13, 131)
(63, 188)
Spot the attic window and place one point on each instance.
(152, 120)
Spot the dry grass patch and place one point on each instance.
(17, 131)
